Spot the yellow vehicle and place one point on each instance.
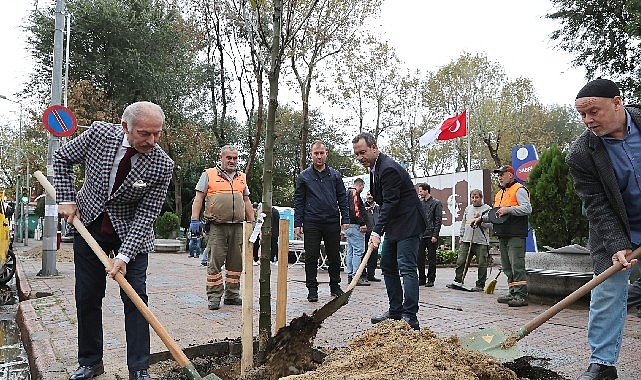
(7, 258)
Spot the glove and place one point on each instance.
(196, 227)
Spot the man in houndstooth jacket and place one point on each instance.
(120, 219)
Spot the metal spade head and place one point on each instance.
(489, 341)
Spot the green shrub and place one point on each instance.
(446, 256)
(167, 226)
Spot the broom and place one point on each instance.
(489, 288)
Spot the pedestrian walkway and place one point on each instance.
(176, 288)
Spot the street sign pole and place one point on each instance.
(50, 233)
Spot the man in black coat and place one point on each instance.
(402, 220)
(603, 162)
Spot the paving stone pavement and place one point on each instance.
(176, 288)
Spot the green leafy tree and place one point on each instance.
(556, 209)
(129, 50)
(604, 36)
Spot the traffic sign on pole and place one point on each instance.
(59, 120)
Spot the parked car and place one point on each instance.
(7, 258)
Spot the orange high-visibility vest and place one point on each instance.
(224, 200)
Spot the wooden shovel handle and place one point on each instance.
(361, 268)
(171, 345)
(574, 296)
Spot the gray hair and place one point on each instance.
(369, 138)
(226, 148)
(136, 110)
(476, 191)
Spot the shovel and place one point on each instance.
(492, 341)
(455, 285)
(187, 367)
(330, 308)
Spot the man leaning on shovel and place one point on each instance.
(125, 186)
(604, 163)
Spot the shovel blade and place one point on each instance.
(488, 341)
(330, 308)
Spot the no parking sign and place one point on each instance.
(59, 120)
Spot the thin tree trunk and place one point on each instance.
(265, 315)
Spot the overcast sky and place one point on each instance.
(425, 34)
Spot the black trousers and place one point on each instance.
(91, 281)
(330, 234)
(429, 259)
(372, 262)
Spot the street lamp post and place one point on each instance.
(21, 152)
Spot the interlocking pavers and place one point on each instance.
(176, 288)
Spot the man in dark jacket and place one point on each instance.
(355, 233)
(320, 207)
(603, 162)
(402, 221)
(434, 213)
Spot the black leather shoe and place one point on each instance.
(387, 315)
(312, 295)
(599, 372)
(337, 291)
(413, 322)
(141, 374)
(88, 372)
(373, 279)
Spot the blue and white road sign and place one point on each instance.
(59, 120)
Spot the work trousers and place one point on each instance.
(513, 263)
(481, 252)
(225, 242)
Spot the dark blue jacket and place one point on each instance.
(401, 213)
(320, 197)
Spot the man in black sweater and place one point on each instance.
(320, 211)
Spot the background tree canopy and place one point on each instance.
(207, 64)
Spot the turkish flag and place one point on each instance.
(451, 128)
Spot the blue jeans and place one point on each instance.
(607, 316)
(203, 258)
(355, 248)
(398, 259)
(194, 247)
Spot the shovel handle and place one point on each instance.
(361, 268)
(173, 348)
(572, 297)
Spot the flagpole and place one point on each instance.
(453, 208)
(469, 150)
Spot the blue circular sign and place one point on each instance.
(59, 120)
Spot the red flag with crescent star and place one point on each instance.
(455, 126)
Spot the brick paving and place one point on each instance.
(176, 288)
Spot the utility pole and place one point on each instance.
(50, 232)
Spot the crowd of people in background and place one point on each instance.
(128, 175)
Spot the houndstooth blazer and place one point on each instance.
(596, 184)
(135, 205)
